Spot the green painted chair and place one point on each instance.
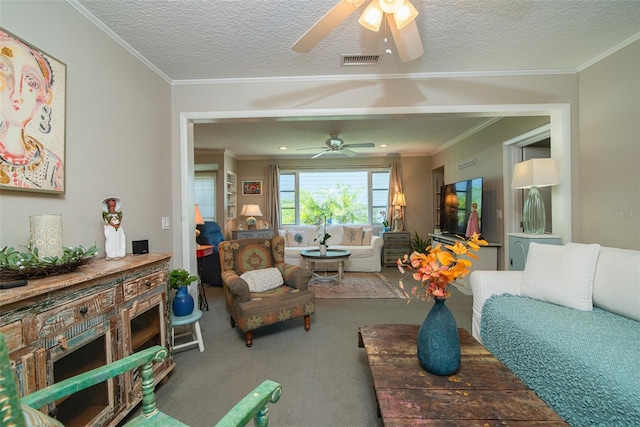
(15, 412)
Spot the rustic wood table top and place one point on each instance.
(483, 392)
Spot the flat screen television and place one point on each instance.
(457, 204)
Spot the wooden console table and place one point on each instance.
(482, 392)
(60, 326)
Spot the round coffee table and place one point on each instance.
(313, 257)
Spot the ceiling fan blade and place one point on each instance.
(311, 148)
(348, 152)
(408, 42)
(325, 25)
(362, 145)
(319, 154)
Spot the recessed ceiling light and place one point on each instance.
(283, 148)
(384, 145)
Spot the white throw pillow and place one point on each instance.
(336, 232)
(263, 280)
(367, 233)
(561, 275)
(352, 236)
(296, 238)
(615, 283)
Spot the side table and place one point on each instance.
(201, 252)
(396, 244)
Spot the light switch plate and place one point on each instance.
(166, 223)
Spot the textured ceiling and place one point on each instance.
(202, 40)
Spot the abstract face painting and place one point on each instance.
(32, 117)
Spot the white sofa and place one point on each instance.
(365, 257)
(568, 326)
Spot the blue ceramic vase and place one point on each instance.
(438, 342)
(183, 303)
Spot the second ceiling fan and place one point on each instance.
(336, 144)
(400, 15)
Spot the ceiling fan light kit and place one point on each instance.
(401, 15)
(390, 6)
(336, 144)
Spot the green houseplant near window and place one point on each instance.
(183, 303)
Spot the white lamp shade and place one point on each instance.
(399, 200)
(251, 210)
(371, 18)
(535, 173)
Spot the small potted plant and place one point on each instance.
(385, 222)
(183, 303)
(322, 236)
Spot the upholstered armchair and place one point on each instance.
(259, 288)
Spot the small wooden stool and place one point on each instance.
(193, 320)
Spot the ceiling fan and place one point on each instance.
(400, 16)
(336, 144)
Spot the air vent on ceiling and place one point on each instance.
(373, 59)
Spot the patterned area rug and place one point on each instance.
(356, 285)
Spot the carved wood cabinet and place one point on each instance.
(61, 326)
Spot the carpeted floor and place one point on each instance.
(325, 376)
(356, 285)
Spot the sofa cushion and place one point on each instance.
(352, 236)
(336, 232)
(583, 364)
(616, 284)
(561, 275)
(262, 280)
(367, 233)
(297, 238)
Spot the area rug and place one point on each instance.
(356, 285)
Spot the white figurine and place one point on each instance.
(115, 245)
(398, 224)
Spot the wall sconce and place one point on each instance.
(251, 211)
(534, 174)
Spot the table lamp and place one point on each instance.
(251, 211)
(534, 174)
(399, 202)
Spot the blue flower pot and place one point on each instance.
(183, 303)
(438, 342)
(385, 229)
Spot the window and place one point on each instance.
(346, 196)
(205, 194)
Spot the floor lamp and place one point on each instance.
(534, 174)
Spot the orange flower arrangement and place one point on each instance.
(438, 268)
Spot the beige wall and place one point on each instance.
(123, 131)
(117, 133)
(609, 150)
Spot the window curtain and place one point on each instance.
(272, 199)
(395, 186)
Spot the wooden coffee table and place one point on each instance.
(482, 393)
(313, 257)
